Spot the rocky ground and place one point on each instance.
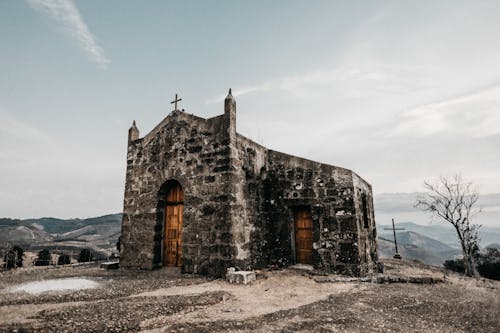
(279, 301)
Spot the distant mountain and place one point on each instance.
(408, 252)
(413, 245)
(422, 241)
(442, 232)
(99, 234)
(400, 206)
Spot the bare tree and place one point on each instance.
(455, 201)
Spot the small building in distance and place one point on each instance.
(202, 197)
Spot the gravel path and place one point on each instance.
(380, 308)
(276, 292)
(121, 315)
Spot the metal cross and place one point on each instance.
(175, 101)
(397, 255)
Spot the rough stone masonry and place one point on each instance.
(202, 197)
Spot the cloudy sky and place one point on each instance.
(399, 92)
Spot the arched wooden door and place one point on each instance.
(303, 236)
(172, 240)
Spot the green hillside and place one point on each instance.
(59, 226)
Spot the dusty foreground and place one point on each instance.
(280, 301)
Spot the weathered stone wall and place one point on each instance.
(250, 228)
(367, 232)
(196, 153)
(329, 193)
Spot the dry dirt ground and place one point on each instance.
(279, 301)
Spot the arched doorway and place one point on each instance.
(172, 237)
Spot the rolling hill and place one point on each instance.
(98, 234)
(440, 231)
(400, 206)
(412, 245)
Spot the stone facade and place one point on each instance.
(239, 201)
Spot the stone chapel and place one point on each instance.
(202, 197)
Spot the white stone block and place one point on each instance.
(240, 277)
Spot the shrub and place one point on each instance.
(44, 258)
(9, 260)
(64, 259)
(85, 256)
(20, 254)
(13, 258)
(488, 264)
(456, 265)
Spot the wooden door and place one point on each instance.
(172, 241)
(303, 236)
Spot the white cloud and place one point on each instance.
(67, 15)
(350, 81)
(475, 114)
